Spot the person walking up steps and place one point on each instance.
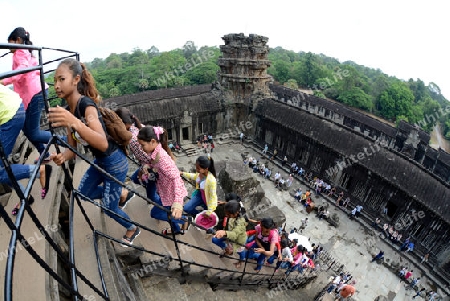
(162, 170)
(28, 86)
(12, 118)
(75, 84)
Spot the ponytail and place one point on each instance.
(86, 85)
(128, 118)
(21, 33)
(207, 163)
(147, 133)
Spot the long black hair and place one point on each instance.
(128, 118)
(147, 133)
(207, 163)
(268, 223)
(20, 32)
(233, 207)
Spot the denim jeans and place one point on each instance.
(196, 200)
(221, 242)
(156, 212)
(298, 267)
(251, 254)
(32, 128)
(283, 264)
(8, 135)
(273, 257)
(116, 165)
(150, 187)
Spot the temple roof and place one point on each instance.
(412, 179)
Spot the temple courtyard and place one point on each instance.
(352, 243)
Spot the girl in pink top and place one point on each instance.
(162, 169)
(28, 86)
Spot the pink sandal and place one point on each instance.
(48, 173)
(16, 209)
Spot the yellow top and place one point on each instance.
(9, 104)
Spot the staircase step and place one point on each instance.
(25, 281)
(85, 258)
(204, 240)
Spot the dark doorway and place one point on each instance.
(391, 208)
(185, 133)
(169, 134)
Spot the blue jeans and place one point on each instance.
(221, 242)
(150, 187)
(331, 288)
(32, 126)
(251, 254)
(116, 165)
(298, 267)
(156, 212)
(283, 264)
(196, 200)
(273, 257)
(8, 135)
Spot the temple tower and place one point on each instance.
(243, 68)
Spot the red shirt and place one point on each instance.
(407, 275)
(347, 291)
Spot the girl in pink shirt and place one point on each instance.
(162, 169)
(28, 86)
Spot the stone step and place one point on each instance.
(204, 240)
(85, 258)
(28, 276)
(139, 210)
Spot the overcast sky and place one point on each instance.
(406, 39)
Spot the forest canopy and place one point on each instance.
(347, 82)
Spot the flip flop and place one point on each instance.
(48, 173)
(129, 240)
(15, 210)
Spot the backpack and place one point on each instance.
(115, 128)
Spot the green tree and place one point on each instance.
(152, 52)
(189, 49)
(356, 97)
(396, 100)
(281, 71)
(166, 67)
(204, 73)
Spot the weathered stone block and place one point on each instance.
(236, 177)
(258, 208)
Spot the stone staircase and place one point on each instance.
(29, 278)
(191, 150)
(123, 268)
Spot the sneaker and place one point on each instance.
(126, 241)
(130, 195)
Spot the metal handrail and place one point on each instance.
(76, 196)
